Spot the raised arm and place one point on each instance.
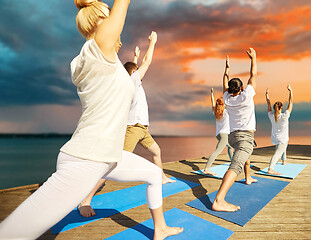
(213, 100)
(290, 100)
(253, 72)
(136, 54)
(226, 76)
(148, 56)
(268, 100)
(110, 28)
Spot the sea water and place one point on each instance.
(26, 161)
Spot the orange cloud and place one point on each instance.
(278, 34)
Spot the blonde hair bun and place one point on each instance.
(84, 3)
(90, 12)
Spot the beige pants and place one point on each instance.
(137, 134)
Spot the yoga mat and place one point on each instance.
(290, 170)
(251, 198)
(194, 228)
(108, 204)
(220, 171)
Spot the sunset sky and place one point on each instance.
(38, 39)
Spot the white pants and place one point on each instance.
(280, 152)
(69, 185)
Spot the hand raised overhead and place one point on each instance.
(227, 62)
(251, 53)
(153, 37)
(137, 51)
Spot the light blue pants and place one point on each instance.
(280, 152)
(222, 143)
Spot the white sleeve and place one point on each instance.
(136, 80)
(93, 51)
(249, 90)
(226, 95)
(270, 115)
(286, 114)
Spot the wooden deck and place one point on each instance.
(287, 216)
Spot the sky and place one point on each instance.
(38, 40)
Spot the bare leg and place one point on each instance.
(84, 207)
(272, 172)
(219, 203)
(248, 178)
(208, 172)
(136, 168)
(161, 230)
(156, 156)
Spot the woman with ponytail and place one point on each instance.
(241, 110)
(279, 130)
(222, 131)
(95, 149)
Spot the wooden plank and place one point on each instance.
(287, 216)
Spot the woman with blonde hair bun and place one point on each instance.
(95, 148)
(222, 131)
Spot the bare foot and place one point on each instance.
(270, 171)
(284, 162)
(208, 172)
(223, 206)
(167, 180)
(161, 234)
(250, 180)
(86, 211)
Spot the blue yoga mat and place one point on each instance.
(220, 171)
(288, 170)
(111, 203)
(251, 198)
(194, 228)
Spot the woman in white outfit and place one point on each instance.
(279, 131)
(95, 149)
(222, 131)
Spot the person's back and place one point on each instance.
(222, 132)
(139, 106)
(279, 131)
(98, 81)
(240, 106)
(241, 109)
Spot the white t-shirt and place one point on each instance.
(241, 109)
(222, 125)
(106, 91)
(279, 131)
(139, 107)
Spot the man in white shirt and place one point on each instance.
(241, 109)
(137, 127)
